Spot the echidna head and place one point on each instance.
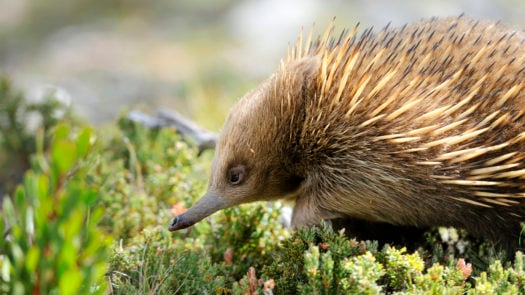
(252, 159)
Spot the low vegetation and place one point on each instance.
(90, 216)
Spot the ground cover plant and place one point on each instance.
(90, 211)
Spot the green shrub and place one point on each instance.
(141, 173)
(249, 234)
(312, 260)
(362, 274)
(20, 121)
(321, 261)
(52, 243)
(401, 268)
(158, 265)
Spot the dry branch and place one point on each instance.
(168, 118)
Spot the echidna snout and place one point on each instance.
(207, 205)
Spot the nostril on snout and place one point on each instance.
(179, 222)
(175, 221)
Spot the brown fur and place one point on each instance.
(415, 126)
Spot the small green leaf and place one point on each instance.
(32, 259)
(90, 197)
(19, 197)
(72, 227)
(19, 289)
(2, 230)
(43, 187)
(18, 255)
(61, 132)
(8, 210)
(45, 207)
(40, 140)
(5, 266)
(84, 141)
(63, 154)
(70, 282)
(66, 257)
(30, 221)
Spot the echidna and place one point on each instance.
(421, 125)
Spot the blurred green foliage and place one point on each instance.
(19, 122)
(139, 174)
(91, 215)
(51, 242)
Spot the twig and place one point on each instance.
(203, 138)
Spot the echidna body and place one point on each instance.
(420, 126)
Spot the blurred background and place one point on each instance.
(195, 56)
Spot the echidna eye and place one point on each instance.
(234, 177)
(236, 174)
